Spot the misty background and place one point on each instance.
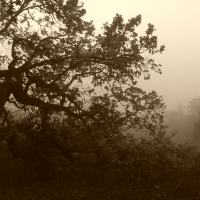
(177, 27)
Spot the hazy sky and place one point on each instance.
(177, 24)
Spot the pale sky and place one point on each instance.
(177, 24)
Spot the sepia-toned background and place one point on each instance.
(177, 24)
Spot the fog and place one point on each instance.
(177, 27)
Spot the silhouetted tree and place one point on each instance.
(55, 66)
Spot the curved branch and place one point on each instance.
(4, 94)
(21, 96)
(5, 119)
(27, 65)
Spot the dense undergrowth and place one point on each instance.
(127, 168)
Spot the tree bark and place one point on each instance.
(4, 94)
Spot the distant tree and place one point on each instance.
(194, 109)
(55, 66)
(194, 116)
(186, 121)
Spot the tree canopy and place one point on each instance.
(52, 62)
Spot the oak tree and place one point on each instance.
(53, 61)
